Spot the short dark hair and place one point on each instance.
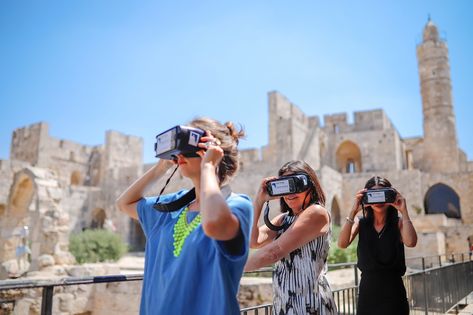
(300, 167)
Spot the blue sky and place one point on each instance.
(140, 67)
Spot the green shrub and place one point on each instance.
(98, 245)
(337, 255)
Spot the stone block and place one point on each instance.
(45, 261)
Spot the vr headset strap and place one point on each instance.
(186, 199)
(176, 204)
(268, 223)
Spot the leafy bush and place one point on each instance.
(96, 246)
(337, 255)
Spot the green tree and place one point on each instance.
(337, 255)
(96, 246)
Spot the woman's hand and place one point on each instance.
(408, 232)
(400, 204)
(357, 203)
(262, 195)
(211, 151)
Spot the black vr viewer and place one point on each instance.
(286, 185)
(178, 140)
(381, 195)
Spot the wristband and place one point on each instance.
(351, 221)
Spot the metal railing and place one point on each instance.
(436, 286)
(439, 289)
(265, 309)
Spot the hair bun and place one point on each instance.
(233, 132)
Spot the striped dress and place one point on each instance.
(299, 283)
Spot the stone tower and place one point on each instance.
(440, 139)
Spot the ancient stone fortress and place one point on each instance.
(50, 187)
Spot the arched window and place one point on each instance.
(98, 218)
(441, 198)
(76, 178)
(348, 157)
(22, 195)
(350, 166)
(335, 211)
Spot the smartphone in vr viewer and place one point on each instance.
(178, 140)
(286, 185)
(381, 195)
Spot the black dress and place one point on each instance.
(382, 264)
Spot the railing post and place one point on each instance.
(47, 301)
(355, 294)
(440, 260)
(355, 267)
(425, 287)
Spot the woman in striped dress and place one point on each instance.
(297, 243)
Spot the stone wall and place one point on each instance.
(26, 143)
(33, 223)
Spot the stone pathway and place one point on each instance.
(465, 305)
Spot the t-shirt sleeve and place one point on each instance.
(242, 208)
(147, 215)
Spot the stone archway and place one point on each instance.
(15, 224)
(348, 157)
(76, 178)
(2, 209)
(441, 198)
(98, 218)
(21, 195)
(34, 224)
(335, 211)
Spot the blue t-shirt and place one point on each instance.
(204, 278)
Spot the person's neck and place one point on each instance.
(379, 218)
(195, 204)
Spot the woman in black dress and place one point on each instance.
(382, 236)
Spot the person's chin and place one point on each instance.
(293, 204)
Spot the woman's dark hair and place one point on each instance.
(392, 212)
(229, 137)
(300, 167)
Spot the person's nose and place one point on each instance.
(179, 158)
